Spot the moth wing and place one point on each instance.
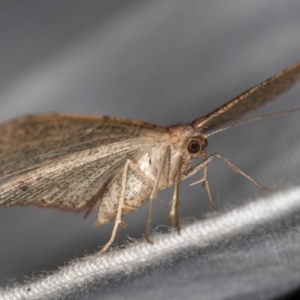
(29, 142)
(249, 100)
(67, 161)
(74, 184)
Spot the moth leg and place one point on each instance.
(175, 199)
(202, 164)
(154, 191)
(148, 223)
(174, 209)
(118, 220)
(207, 187)
(205, 183)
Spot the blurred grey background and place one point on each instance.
(162, 62)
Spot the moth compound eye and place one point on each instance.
(193, 146)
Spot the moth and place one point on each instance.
(81, 162)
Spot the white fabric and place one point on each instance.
(78, 274)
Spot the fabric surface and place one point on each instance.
(163, 62)
(168, 248)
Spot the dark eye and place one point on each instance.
(193, 146)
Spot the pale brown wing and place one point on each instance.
(249, 100)
(65, 161)
(29, 142)
(70, 183)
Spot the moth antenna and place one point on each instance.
(251, 120)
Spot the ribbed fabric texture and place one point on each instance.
(138, 255)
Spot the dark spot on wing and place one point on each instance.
(23, 187)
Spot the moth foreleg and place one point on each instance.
(205, 183)
(207, 187)
(202, 165)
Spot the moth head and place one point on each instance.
(190, 142)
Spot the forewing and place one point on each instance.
(32, 141)
(72, 183)
(249, 100)
(66, 161)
